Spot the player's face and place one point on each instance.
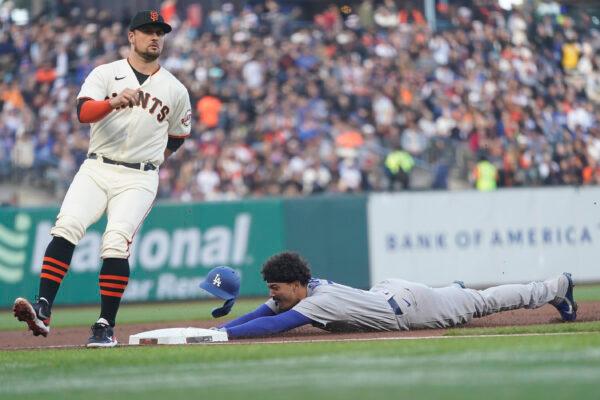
(286, 295)
(148, 41)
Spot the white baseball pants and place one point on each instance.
(126, 194)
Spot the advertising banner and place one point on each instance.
(504, 236)
(172, 251)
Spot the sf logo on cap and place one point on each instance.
(154, 15)
(217, 280)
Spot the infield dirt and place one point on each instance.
(77, 336)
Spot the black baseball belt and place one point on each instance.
(394, 304)
(142, 166)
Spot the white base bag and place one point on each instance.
(178, 336)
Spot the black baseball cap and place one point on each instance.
(149, 17)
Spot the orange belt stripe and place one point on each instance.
(55, 261)
(112, 285)
(51, 277)
(53, 269)
(115, 278)
(113, 294)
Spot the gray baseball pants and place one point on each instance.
(426, 307)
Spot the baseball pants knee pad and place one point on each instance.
(115, 243)
(69, 228)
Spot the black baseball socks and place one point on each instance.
(54, 267)
(113, 280)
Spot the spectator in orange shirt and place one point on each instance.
(208, 108)
(46, 73)
(12, 94)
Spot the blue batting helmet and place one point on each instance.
(224, 283)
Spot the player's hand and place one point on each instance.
(123, 99)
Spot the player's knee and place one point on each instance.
(68, 227)
(115, 243)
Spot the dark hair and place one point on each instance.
(286, 267)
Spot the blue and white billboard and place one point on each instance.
(505, 236)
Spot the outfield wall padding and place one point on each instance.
(179, 243)
(331, 232)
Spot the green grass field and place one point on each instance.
(562, 365)
(556, 367)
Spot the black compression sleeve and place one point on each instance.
(174, 143)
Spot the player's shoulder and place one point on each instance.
(174, 82)
(121, 63)
(318, 282)
(111, 67)
(317, 286)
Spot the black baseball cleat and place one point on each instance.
(102, 335)
(36, 315)
(566, 306)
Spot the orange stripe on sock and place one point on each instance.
(55, 261)
(112, 285)
(112, 294)
(51, 268)
(51, 277)
(115, 278)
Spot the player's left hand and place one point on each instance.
(215, 328)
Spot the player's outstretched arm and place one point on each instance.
(265, 326)
(262, 311)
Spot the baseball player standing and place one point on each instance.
(394, 304)
(139, 115)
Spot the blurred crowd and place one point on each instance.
(360, 98)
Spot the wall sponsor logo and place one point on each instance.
(166, 286)
(13, 249)
(509, 238)
(505, 236)
(160, 249)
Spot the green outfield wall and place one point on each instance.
(331, 233)
(179, 243)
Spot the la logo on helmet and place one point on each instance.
(217, 280)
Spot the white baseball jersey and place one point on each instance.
(137, 133)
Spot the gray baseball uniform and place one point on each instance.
(396, 304)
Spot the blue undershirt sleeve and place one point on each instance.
(262, 311)
(264, 326)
